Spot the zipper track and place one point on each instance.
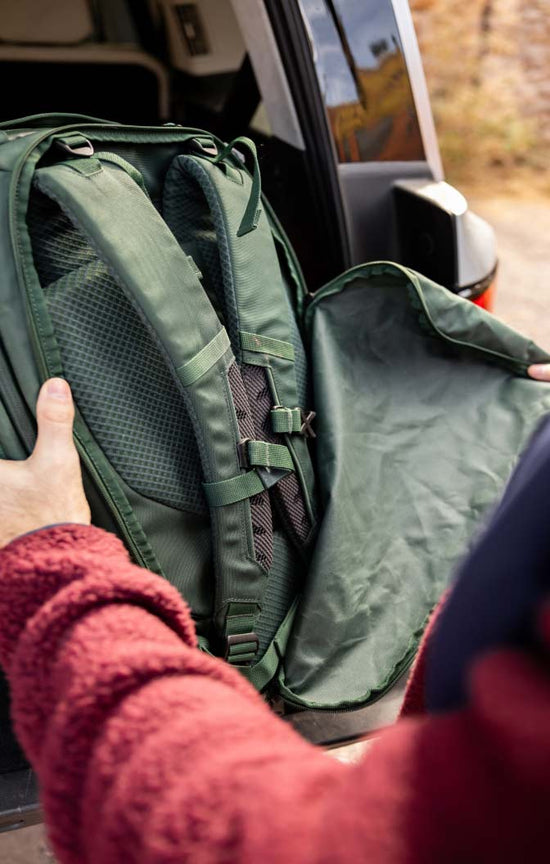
(337, 284)
(87, 458)
(347, 707)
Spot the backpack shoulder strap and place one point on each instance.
(259, 318)
(130, 236)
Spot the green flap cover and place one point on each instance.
(423, 408)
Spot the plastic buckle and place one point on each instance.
(86, 149)
(242, 452)
(241, 639)
(306, 428)
(204, 146)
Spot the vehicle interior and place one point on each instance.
(152, 62)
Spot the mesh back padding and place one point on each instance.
(287, 491)
(188, 216)
(260, 506)
(121, 383)
(58, 247)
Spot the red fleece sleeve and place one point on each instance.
(149, 751)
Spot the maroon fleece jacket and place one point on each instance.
(149, 751)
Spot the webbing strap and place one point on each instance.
(286, 421)
(266, 345)
(234, 489)
(267, 455)
(265, 670)
(205, 359)
(131, 170)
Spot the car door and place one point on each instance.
(351, 99)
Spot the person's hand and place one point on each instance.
(540, 371)
(46, 488)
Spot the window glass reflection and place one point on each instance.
(364, 81)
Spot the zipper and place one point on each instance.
(42, 361)
(337, 284)
(346, 707)
(16, 407)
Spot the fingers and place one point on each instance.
(54, 415)
(539, 371)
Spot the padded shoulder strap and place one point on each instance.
(130, 236)
(258, 314)
(145, 259)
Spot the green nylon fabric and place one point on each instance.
(11, 446)
(204, 360)
(224, 492)
(417, 436)
(134, 241)
(251, 215)
(286, 420)
(130, 169)
(238, 574)
(265, 345)
(269, 455)
(233, 268)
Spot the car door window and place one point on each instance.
(364, 80)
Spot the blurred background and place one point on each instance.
(487, 65)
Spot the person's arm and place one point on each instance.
(150, 752)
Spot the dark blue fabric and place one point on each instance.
(499, 584)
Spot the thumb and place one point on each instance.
(54, 415)
(540, 371)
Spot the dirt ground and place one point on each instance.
(523, 230)
(523, 301)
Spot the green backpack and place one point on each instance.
(305, 469)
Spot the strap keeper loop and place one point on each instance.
(241, 648)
